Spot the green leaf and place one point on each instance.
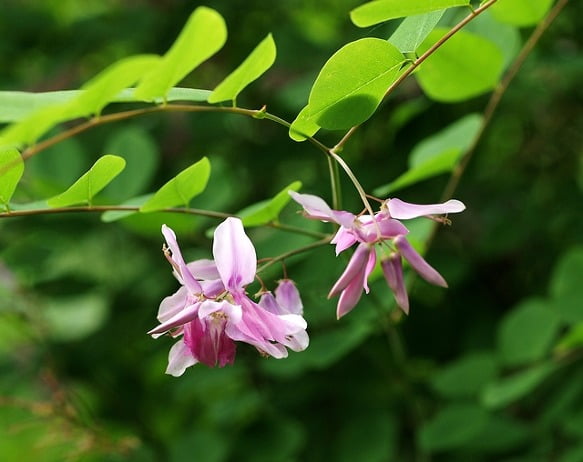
(521, 12)
(260, 59)
(141, 155)
(74, 318)
(511, 388)
(572, 340)
(104, 87)
(467, 376)
(351, 85)
(104, 170)
(203, 35)
(369, 435)
(566, 288)
(526, 334)
(500, 434)
(182, 188)
(413, 30)
(452, 427)
(268, 211)
(303, 126)
(11, 170)
(437, 154)
(465, 66)
(18, 105)
(378, 11)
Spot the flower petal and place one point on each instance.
(179, 319)
(349, 297)
(173, 304)
(234, 254)
(343, 239)
(354, 270)
(317, 208)
(393, 271)
(232, 312)
(204, 269)
(184, 273)
(179, 359)
(370, 264)
(418, 263)
(209, 343)
(288, 297)
(403, 210)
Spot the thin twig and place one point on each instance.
(297, 251)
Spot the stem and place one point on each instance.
(256, 114)
(335, 184)
(415, 64)
(355, 182)
(297, 251)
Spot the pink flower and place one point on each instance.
(212, 310)
(382, 228)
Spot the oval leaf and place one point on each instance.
(509, 389)
(527, 333)
(203, 35)
(414, 29)
(465, 66)
(260, 59)
(521, 12)
(351, 85)
(104, 87)
(182, 188)
(378, 11)
(268, 211)
(85, 188)
(11, 169)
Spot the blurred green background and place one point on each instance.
(489, 369)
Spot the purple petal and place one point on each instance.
(349, 297)
(393, 271)
(204, 269)
(187, 278)
(318, 209)
(179, 359)
(418, 263)
(404, 210)
(234, 254)
(232, 312)
(354, 270)
(269, 303)
(213, 288)
(343, 239)
(288, 297)
(173, 304)
(208, 342)
(370, 264)
(182, 317)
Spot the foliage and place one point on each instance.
(488, 370)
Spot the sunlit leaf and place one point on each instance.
(182, 188)
(413, 30)
(268, 211)
(527, 332)
(11, 170)
(351, 85)
(465, 66)
(104, 87)
(260, 59)
(513, 387)
(85, 188)
(202, 36)
(521, 12)
(453, 426)
(377, 11)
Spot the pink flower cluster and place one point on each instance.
(211, 310)
(382, 229)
